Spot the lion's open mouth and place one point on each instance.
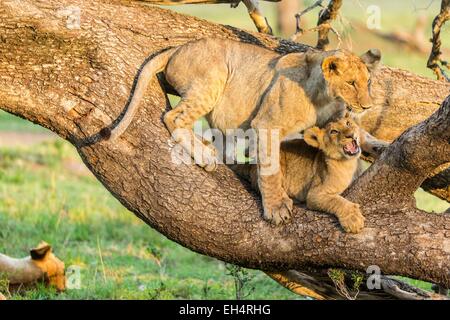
(351, 148)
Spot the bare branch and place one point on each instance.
(298, 16)
(435, 61)
(317, 284)
(326, 16)
(301, 284)
(255, 12)
(257, 16)
(298, 30)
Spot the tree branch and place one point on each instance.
(299, 15)
(405, 165)
(76, 81)
(435, 61)
(254, 11)
(402, 169)
(257, 16)
(317, 284)
(439, 185)
(326, 16)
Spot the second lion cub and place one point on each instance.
(318, 169)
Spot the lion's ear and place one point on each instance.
(314, 137)
(371, 59)
(330, 66)
(41, 251)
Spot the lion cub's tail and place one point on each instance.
(150, 68)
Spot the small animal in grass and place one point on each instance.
(319, 168)
(42, 264)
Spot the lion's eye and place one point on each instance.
(334, 132)
(352, 83)
(348, 124)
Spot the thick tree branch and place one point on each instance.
(403, 167)
(76, 82)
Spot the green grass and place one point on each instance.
(430, 203)
(9, 122)
(42, 198)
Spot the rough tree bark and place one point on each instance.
(76, 81)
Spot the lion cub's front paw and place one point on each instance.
(352, 220)
(206, 157)
(278, 213)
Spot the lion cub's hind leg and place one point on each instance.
(180, 120)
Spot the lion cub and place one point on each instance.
(241, 86)
(319, 168)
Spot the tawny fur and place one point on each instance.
(317, 171)
(42, 264)
(238, 85)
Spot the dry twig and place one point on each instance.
(435, 62)
(257, 16)
(326, 16)
(298, 16)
